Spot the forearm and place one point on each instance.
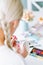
(13, 26)
(16, 23)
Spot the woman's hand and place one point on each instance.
(19, 48)
(23, 52)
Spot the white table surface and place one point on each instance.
(30, 60)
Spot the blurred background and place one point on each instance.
(32, 13)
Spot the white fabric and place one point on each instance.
(8, 57)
